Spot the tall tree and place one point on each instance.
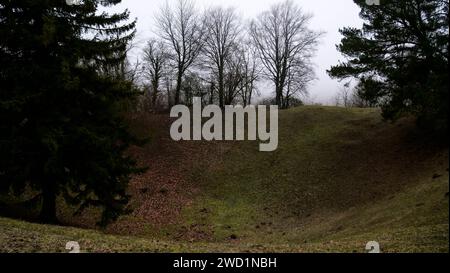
(222, 28)
(400, 57)
(250, 72)
(182, 30)
(155, 60)
(234, 75)
(299, 76)
(61, 130)
(284, 41)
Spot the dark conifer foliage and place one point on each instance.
(61, 128)
(400, 57)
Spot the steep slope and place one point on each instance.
(340, 178)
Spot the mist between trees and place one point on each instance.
(222, 58)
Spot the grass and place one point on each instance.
(340, 178)
(337, 174)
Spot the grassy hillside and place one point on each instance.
(339, 179)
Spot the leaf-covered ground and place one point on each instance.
(339, 179)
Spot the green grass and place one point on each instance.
(340, 178)
(337, 174)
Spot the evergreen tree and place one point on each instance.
(61, 128)
(400, 57)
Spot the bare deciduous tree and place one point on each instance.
(233, 77)
(155, 60)
(343, 98)
(350, 96)
(284, 40)
(222, 28)
(299, 76)
(182, 30)
(250, 72)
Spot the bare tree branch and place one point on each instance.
(182, 30)
(285, 45)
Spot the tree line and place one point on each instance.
(220, 57)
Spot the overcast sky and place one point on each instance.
(329, 16)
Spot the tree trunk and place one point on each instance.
(279, 96)
(155, 92)
(48, 210)
(168, 89)
(250, 95)
(178, 89)
(221, 88)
